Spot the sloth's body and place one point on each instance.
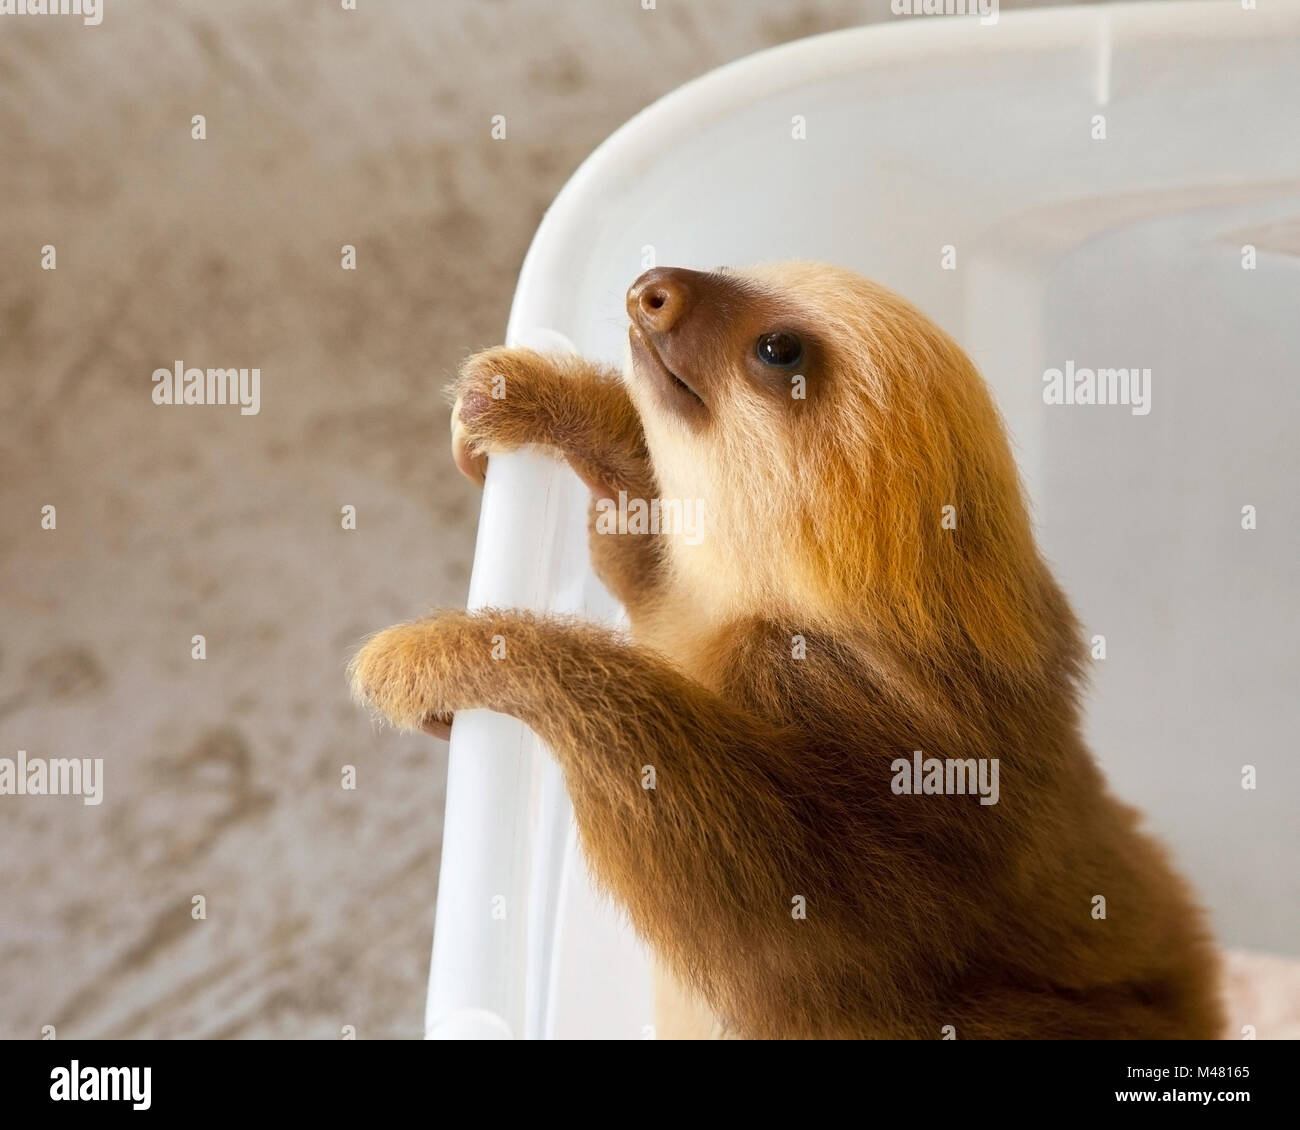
(828, 623)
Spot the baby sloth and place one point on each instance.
(867, 586)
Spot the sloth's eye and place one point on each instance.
(779, 349)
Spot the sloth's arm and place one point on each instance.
(606, 706)
(507, 398)
(719, 820)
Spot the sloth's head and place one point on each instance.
(849, 457)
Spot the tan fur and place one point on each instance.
(773, 772)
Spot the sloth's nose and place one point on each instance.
(659, 298)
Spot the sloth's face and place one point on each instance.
(706, 344)
(736, 376)
(825, 424)
(786, 368)
(750, 385)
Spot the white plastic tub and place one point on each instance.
(1123, 252)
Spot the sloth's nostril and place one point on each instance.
(658, 299)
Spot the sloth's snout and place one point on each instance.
(657, 301)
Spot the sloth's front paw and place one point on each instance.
(470, 459)
(493, 407)
(404, 674)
